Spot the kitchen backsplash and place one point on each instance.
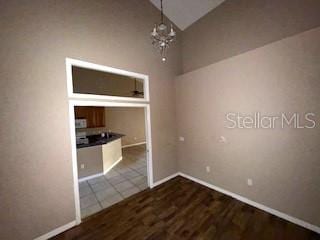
(92, 131)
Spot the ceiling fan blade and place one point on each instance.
(135, 92)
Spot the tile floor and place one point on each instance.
(124, 180)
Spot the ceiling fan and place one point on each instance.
(135, 92)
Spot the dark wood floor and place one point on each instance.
(182, 209)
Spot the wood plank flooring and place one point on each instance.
(182, 209)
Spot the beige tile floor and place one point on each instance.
(125, 179)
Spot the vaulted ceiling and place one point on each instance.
(185, 12)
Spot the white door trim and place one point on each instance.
(74, 162)
(104, 101)
(74, 62)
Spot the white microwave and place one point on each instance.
(81, 123)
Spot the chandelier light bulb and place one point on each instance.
(162, 27)
(154, 32)
(172, 32)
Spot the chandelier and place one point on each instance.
(162, 37)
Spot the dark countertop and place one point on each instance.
(96, 140)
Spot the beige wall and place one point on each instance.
(92, 159)
(283, 163)
(128, 121)
(36, 37)
(235, 27)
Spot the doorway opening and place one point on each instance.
(111, 144)
(111, 155)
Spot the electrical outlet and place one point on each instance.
(222, 139)
(82, 166)
(249, 182)
(181, 139)
(208, 169)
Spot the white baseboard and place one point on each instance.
(134, 144)
(100, 174)
(226, 192)
(255, 204)
(113, 165)
(164, 180)
(90, 177)
(56, 231)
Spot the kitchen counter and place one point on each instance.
(96, 140)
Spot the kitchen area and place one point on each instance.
(111, 155)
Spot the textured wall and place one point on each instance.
(235, 27)
(36, 36)
(283, 163)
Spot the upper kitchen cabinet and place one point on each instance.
(95, 116)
